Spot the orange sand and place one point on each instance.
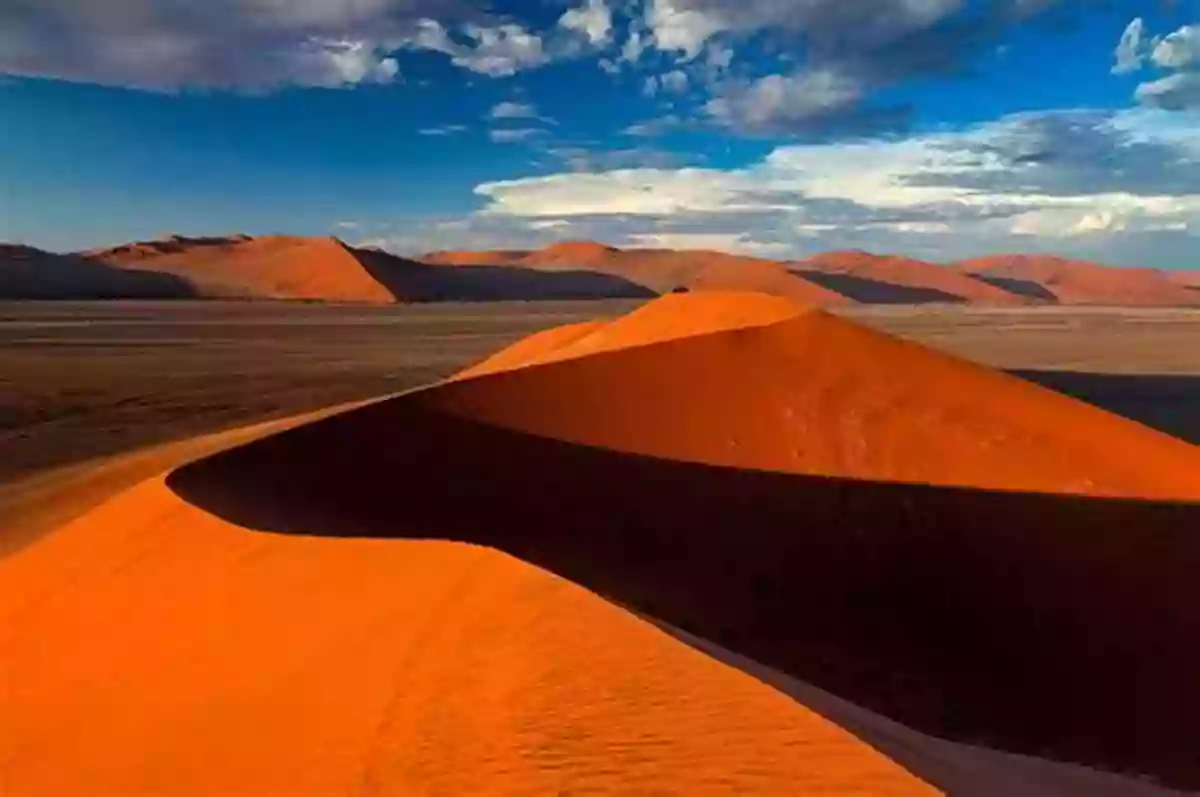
(1082, 282)
(163, 643)
(906, 272)
(273, 267)
(817, 394)
(151, 648)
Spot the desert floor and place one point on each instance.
(83, 382)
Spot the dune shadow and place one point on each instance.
(65, 277)
(1167, 402)
(1027, 288)
(412, 281)
(869, 291)
(1058, 626)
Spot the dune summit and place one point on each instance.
(444, 601)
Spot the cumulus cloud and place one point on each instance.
(850, 51)
(496, 51)
(1177, 52)
(1077, 181)
(1177, 92)
(593, 20)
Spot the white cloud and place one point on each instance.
(498, 51)
(634, 46)
(678, 29)
(514, 110)
(1129, 49)
(1178, 50)
(444, 130)
(675, 81)
(359, 62)
(1077, 181)
(779, 102)
(515, 136)
(654, 127)
(736, 243)
(593, 20)
(1177, 92)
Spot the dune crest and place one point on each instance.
(797, 390)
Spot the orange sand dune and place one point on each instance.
(664, 270)
(152, 648)
(273, 267)
(819, 394)
(28, 273)
(425, 614)
(1080, 282)
(890, 279)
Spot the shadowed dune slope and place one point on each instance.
(887, 279)
(733, 465)
(416, 281)
(1082, 282)
(27, 273)
(661, 270)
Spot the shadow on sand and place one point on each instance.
(411, 281)
(1167, 402)
(871, 291)
(1057, 626)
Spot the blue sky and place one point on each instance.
(936, 128)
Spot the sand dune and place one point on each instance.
(886, 279)
(662, 270)
(28, 273)
(426, 615)
(1080, 282)
(273, 267)
(326, 269)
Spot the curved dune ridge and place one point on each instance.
(445, 602)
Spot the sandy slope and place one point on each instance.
(273, 267)
(28, 273)
(151, 648)
(1081, 282)
(890, 279)
(163, 643)
(661, 270)
(818, 394)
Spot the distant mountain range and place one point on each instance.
(327, 269)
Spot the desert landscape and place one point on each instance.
(885, 548)
(440, 398)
